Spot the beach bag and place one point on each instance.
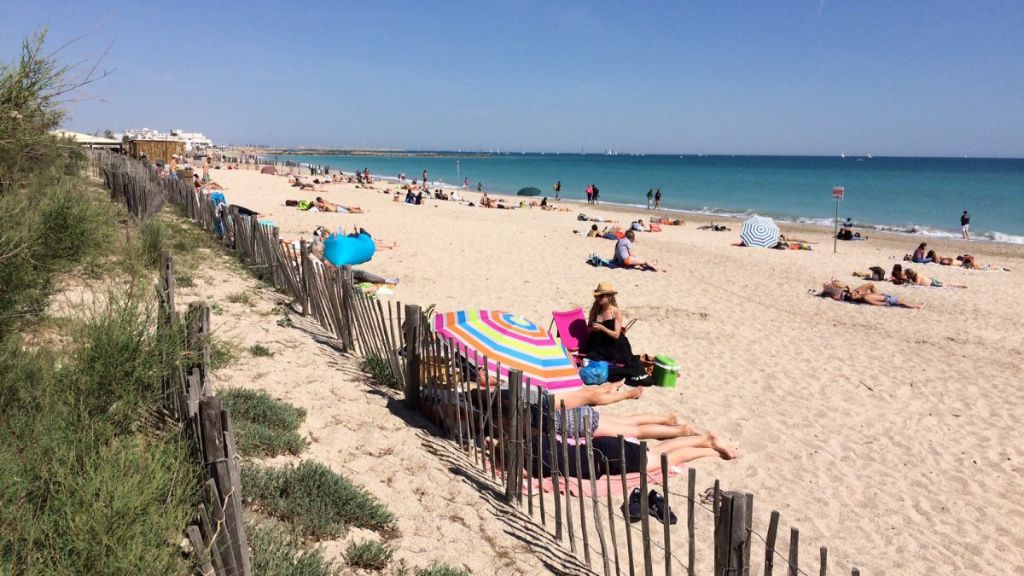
(594, 373)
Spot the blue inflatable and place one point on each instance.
(347, 250)
(218, 198)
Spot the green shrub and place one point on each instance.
(222, 355)
(264, 426)
(317, 501)
(441, 570)
(369, 555)
(240, 298)
(109, 492)
(119, 358)
(260, 351)
(276, 553)
(184, 279)
(154, 242)
(380, 370)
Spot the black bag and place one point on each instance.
(633, 372)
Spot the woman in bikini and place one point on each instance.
(922, 280)
(325, 206)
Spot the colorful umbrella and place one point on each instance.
(510, 342)
(760, 231)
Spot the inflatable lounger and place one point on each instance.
(347, 250)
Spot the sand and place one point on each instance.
(888, 435)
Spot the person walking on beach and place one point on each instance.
(558, 189)
(965, 225)
(596, 192)
(650, 198)
(424, 177)
(479, 186)
(465, 183)
(657, 199)
(590, 193)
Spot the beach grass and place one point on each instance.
(275, 551)
(368, 555)
(317, 501)
(263, 425)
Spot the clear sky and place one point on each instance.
(922, 78)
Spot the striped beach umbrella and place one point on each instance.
(510, 342)
(760, 231)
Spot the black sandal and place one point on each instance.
(656, 504)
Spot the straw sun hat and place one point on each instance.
(604, 288)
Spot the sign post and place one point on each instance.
(837, 195)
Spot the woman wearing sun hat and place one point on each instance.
(607, 339)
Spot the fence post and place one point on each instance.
(304, 269)
(732, 534)
(347, 295)
(412, 358)
(512, 465)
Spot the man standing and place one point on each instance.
(424, 177)
(657, 199)
(965, 225)
(558, 189)
(650, 198)
(596, 192)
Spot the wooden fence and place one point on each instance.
(498, 430)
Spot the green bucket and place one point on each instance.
(665, 372)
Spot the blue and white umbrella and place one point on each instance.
(760, 231)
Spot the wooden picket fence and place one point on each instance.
(442, 380)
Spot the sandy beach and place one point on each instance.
(888, 435)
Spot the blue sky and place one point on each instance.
(926, 78)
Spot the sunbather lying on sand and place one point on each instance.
(325, 206)
(863, 294)
(921, 280)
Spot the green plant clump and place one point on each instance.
(264, 426)
(319, 502)
(260, 351)
(380, 370)
(441, 570)
(368, 555)
(276, 553)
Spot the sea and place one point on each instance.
(921, 196)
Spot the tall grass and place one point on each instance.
(89, 485)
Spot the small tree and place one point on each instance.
(31, 92)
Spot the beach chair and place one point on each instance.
(571, 326)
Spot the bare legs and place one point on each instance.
(595, 396)
(686, 449)
(643, 426)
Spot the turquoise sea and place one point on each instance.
(913, 195)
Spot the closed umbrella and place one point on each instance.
(504, 341)
(760, 231)
(528, 192)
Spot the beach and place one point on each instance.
(888, 435)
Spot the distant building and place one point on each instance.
(88, 140)
(192, 141)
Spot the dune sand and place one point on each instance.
(888, 435)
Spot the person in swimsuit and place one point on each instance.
(921, 280)
(920, 255)
(325, 206)
(869, 294)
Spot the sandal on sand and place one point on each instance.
(658, 507)
(631, 507)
